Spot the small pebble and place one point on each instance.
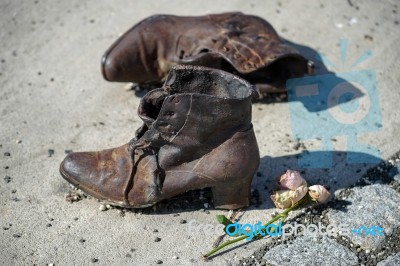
(7, 154)
(82, 240)
(159, 262)
(339, 25)
(155, 231)
(67, 151)
(50, 264)
(7, 227)
(72, 197)
(18, 141)
(206, 205)
(157, 239)
(128, 255)
(368, 37)
(94, 260)
(50, 152)
(14, 191)
(353, 20)
(129, 86)
(182, 221)
(16, 235)
(102, 207)
(7, 179)
(49, 225)
(175, 257)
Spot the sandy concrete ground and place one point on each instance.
(52, 96)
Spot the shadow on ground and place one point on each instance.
(339, 176)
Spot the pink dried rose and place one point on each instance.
(318, 193)
(291, 180)
(284, 199)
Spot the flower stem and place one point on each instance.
(283, 215)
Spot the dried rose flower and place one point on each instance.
(284, 199)
(291, 180)
(318, 193)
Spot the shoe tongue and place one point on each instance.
(150, 105)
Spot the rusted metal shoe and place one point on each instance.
(244, 45)
(197, 133)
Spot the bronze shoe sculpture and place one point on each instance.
(244, 45)
(197, 133)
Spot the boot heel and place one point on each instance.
(231, 195)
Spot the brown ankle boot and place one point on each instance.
(197, 133)
(244, 45)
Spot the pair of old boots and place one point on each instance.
(197, 129)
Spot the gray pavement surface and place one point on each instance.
(377, 202)
(322, 251)
(391, 261)
(53, 99)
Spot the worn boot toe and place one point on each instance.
(77, 167)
